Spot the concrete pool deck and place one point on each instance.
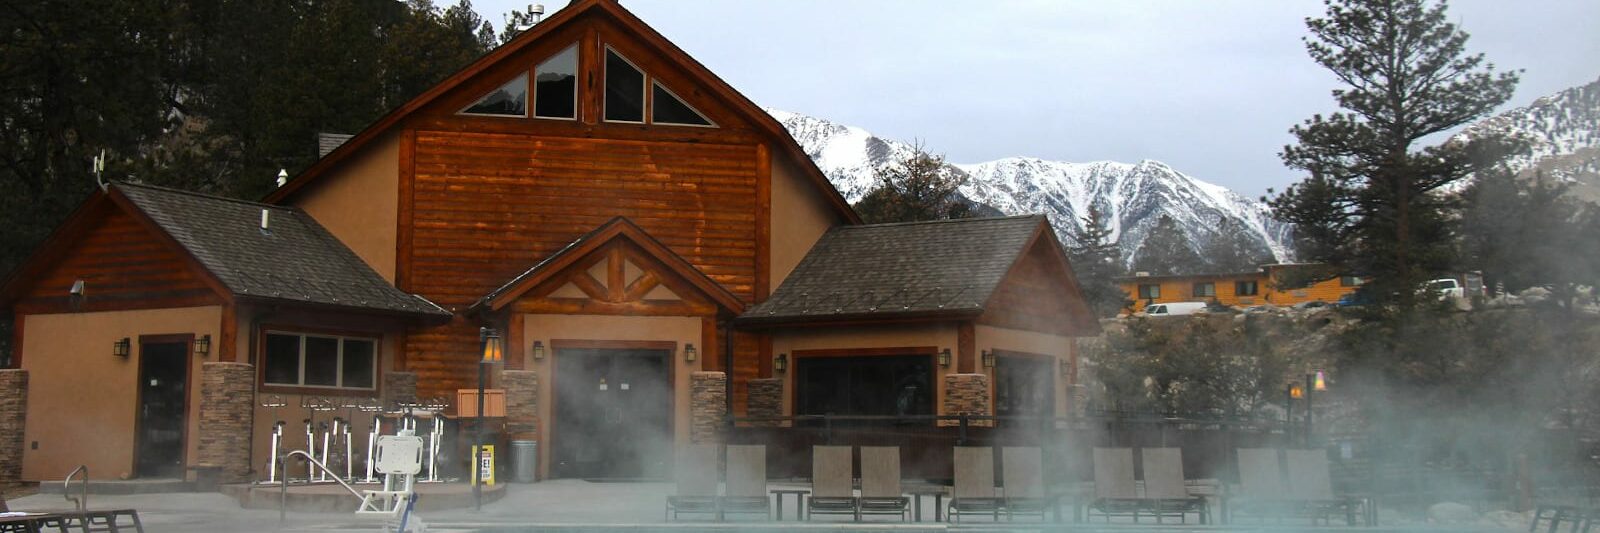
(581, 506)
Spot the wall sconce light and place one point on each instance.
(780, 363)
(122, 347)
(689, 355)
(492, 347)
(988, 359)
(944, 357)
(202, 346)
(538, 350)
(1066, 367)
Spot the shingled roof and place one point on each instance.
(946, 268)
(295, 261)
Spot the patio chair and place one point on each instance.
(1115, 492)
(1262, 491)
(832, 487)
(1311, 487)
(880, 482)
(70, 520)
(1165, 493)
(747, 482)
(974, 491)
(697, 482)
(1022, 469)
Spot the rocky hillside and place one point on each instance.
(1563, 130)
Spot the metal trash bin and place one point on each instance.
(524, 460)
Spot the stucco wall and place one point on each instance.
(359, 203)
(800, 215)
(82, 399)
(545, 328)
(1061, 348)
(940, 336)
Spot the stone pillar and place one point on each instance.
(966, 394)
(13, 416)
(398, 388)
(766, 399)
(522, 400)
(227, 404)
(708, 396)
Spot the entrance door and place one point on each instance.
(613, 412)
(163, 389)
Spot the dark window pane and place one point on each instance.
(510, 99)
(665, 108)
(1024, 386)
(555, 86)
(322, 361)
(282, 359)
(867, 385)
(1149, 291)
(358, 363)
(624, 90)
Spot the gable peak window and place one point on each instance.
(626, 99)
(555, 85)
(509, 100)
(667, 108)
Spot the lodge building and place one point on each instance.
(652, 244)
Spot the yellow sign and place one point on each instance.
(485, 464)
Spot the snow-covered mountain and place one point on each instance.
(1133, 195)
(1563, 130)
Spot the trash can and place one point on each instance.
(524, 460)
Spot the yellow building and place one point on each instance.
(1271, 284)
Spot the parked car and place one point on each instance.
(1354, 299)
(1175, 309)
(1446, 288)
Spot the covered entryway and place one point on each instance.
(613, 412)
(163, 392)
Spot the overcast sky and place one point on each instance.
(1209, 87)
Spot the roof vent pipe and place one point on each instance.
(283, 177)
(537, 10)
(265, 223)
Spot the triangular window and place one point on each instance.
(555, 86)
(667, 108)
(624, 89)
(510, 100)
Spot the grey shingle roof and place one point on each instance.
(296, 261)
(889, 270)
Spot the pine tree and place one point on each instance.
(1094, 262)
(1371, 206)
(1232, 248)
(1527, 233)
(1166, 251)
(918, 187)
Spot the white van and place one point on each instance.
(1175, 309)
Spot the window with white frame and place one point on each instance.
(321, 361)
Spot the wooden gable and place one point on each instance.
(123, 261)
(1040, 293)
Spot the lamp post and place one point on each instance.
(489, 339)
(1291, 392)
(1314, 383)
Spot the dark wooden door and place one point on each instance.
(163, 389)
(613, 414)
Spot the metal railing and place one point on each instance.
(66, 488)
(283, 487)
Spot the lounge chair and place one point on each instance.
(1262, 491)
(747, 482)
(1023, 471)
(1311, 487)
(70, 520)
(697, 482)
(880, 482)
(974, 492)
(832, 486)
(1165, 493)
(1115, 492)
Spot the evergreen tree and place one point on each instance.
(1371, 205)
(918, 187)
(1166, 251)
(1094, 262)
(1526, 233)
(1232, 248)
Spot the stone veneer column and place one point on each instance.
(227, 404)
(522, 400)
(766, 399)
(708, 396)
(966, 394)
(13, 416)
(399, 387)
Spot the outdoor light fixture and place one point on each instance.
(202, 346)
(780, 363)
(538, 351)
(988, 359)
(1296, 391)
(493, 348)
(944, 357)
(1066, 368)
(1318, 383)
(120, 348)
(689, 354)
